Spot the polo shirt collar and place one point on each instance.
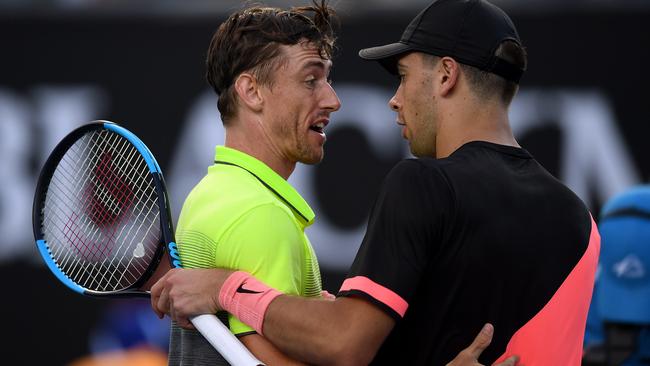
(268, 177)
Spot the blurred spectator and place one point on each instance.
(128, 334)
(618, 328)
(139, 356)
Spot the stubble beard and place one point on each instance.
(306, 154)
(423, 144)
(299, 148)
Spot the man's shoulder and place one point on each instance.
(211, 221)
(416, 166)
(417, 183)
(232, 189)
(221, 198)
(416, 170)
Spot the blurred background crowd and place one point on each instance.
(582, 111)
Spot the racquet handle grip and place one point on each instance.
(223, 341)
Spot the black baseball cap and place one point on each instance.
(469, 31)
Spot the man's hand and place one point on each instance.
(182, 293)
(469, 356)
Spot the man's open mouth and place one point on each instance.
(318, 127)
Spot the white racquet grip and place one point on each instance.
(223, 341)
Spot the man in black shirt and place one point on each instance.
(473, 230)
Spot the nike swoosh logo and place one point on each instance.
(243, 290)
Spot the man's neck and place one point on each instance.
(258, 145)
(475, 122)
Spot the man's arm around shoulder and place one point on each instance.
(346, 331)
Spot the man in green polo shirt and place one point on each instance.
(270, 69)
(254, 221)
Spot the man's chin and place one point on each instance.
(312, 159)
(420, 152)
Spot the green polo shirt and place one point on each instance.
(243, 215)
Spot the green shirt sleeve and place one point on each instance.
(266, 242)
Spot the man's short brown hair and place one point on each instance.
(487, 85)
(250, 39)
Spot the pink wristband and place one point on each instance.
(245, 297)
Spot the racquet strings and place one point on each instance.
(100, 217)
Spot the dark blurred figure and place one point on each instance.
(618, 327)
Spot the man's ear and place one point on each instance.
(449, 71)
(248, 91)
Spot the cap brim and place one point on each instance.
(386, 55)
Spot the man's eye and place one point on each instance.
(310, 82)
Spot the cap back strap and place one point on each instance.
(506, 70)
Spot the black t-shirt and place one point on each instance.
(484, 235)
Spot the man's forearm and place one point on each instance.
(345, 331)
(324, 332)
(266, 352)
(303, 328)
(319, 331)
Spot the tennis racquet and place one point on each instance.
(102, 222)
